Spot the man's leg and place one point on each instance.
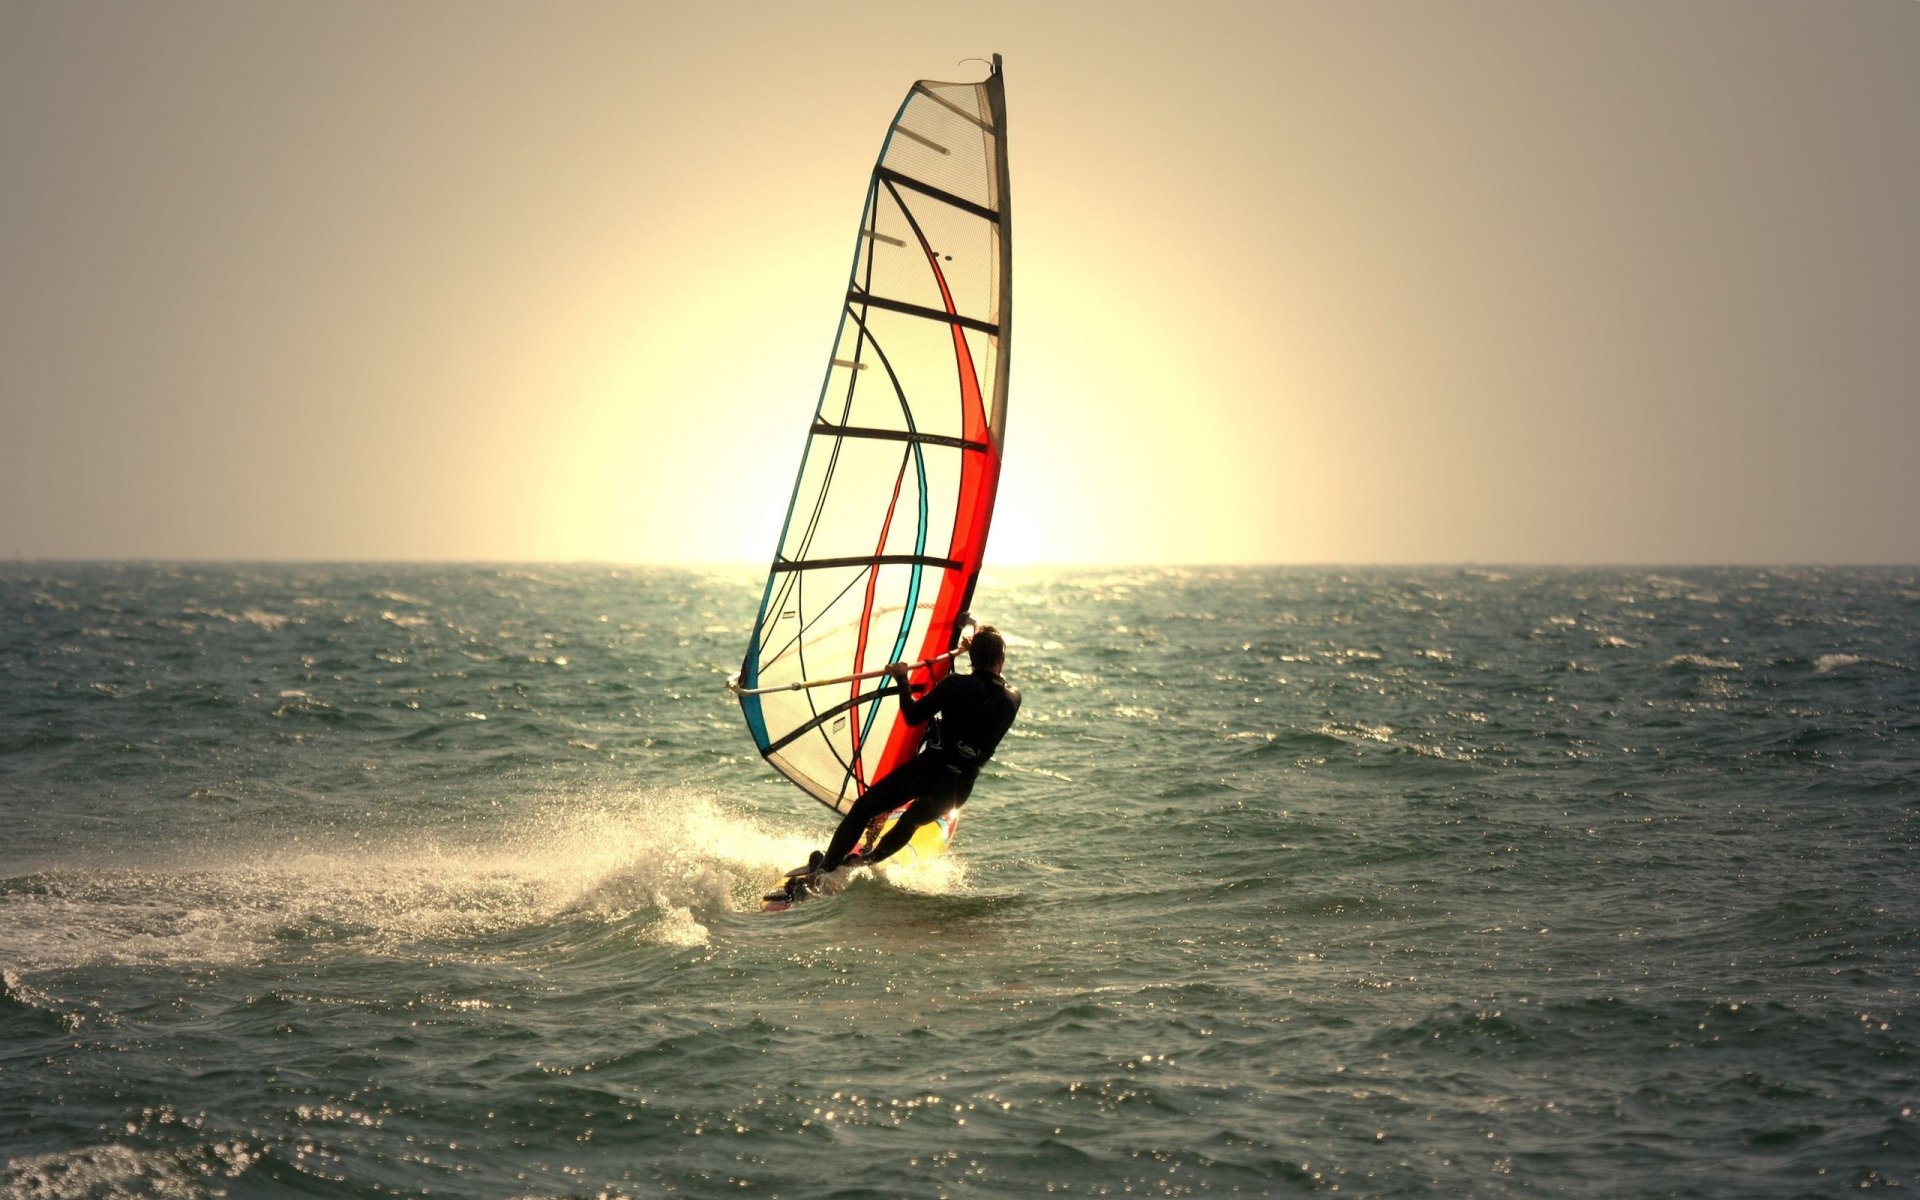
(925, 809)
(883, 797)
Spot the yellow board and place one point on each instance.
(929, 841)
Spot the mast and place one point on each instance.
(997, 102)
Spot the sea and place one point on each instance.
(388, 880)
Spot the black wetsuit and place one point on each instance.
(975, 712)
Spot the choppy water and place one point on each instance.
(375, 881)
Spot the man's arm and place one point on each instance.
(917, 709)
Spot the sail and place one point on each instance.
(888, 519)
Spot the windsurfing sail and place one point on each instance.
(888, 519)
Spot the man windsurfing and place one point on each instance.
(971, 714)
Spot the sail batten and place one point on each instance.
(888, 520)
(920, 310)
(902, 435)
(929, 190)
(855, 560)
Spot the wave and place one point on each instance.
(272, 622)
(1351, 731)
(1828, 664)
(1700, 662)
(1290, 743)
(19, 996)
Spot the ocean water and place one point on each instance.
(378, 881)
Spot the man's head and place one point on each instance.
(988, 652)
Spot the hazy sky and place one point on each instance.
(1504, 282)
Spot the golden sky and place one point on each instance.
(1294, 282)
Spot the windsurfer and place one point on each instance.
(975, 711)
